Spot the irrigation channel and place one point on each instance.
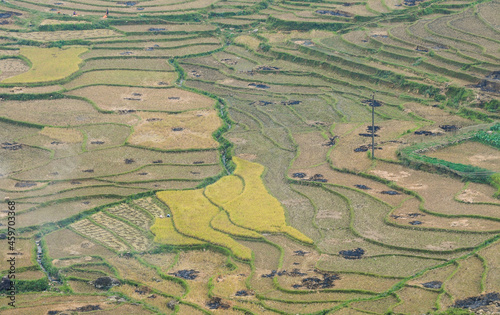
(39, 255)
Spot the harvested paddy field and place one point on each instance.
(170, 157)
(117, 98)
(187, 130)
(123, 77)
(472, 153)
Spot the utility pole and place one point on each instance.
(373, 125)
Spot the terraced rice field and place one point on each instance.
(216, 156)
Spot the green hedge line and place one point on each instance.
(38, 285)
(278, 24)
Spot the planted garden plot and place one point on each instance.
(97, 233)
(129, 234)
(131, 214)
(150, 206)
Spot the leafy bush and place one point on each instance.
(32, 285)
(491, 106)
(492, 139)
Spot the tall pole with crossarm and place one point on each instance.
(373, 126)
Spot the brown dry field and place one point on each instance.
(30, 275)
(209, 264)
(12, 67)
(123, 77)
(88, 192)
(349, 180)
(46, 303)
(159, 302)
(63, 112)
(229, 282)
(61, 263)
(466, 282)
(99, 234)
(470, 152)
(427, 184)
(160, 44)
(113, 98)
(168, 27)
(439, 274)
(59, 211)
(273, 88)
(22, 246)
(197, 128)
(415, 300)
(167, 172)
(42, 188)
(478, 193)
(66, 243)
(343, 155)
(311, 148)
(31, 90)
(376, 306)
(127, 63)
(130, 268)
(55, 22)
(62, 35)
(299, 308)
(163, 260)
(155, 53)
(164, 185)
(492, 281)
(411, 206)
(67, 135)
